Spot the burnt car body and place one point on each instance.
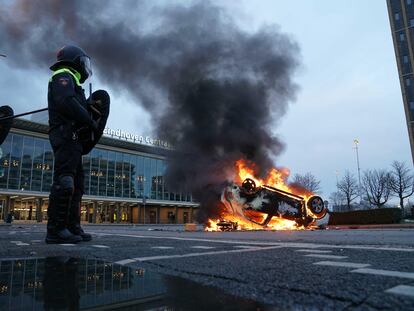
(258, 205)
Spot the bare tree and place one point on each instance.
(337, 198)
(349, 188)
(307, 181)
(402, 181)
(376, 185)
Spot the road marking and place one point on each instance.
(325, 256)
(19, 243)
(162, 247)
(402, 290)
(202, 247)
(314, 251)
(244, 246)
(282, 244)
(67, 244)
(100, 246)
(397, 274)
(124, 262)
(342, 264)
(130, 260)
(36, 241)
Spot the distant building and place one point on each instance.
(401, 14)
(124, 179)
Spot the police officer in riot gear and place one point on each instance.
(75, 126)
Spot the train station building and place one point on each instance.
(124, 179)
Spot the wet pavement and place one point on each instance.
(288, 270)
(67, 283)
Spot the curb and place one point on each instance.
(383, 226)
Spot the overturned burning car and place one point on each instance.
(257, 205)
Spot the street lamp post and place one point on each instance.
(356, 142)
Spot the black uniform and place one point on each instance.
(76, 124)
(70, 125)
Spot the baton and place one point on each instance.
(22, 114)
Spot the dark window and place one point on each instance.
(397, 16)
(126, 175)
(133, 178)
(15, 161)
(47, 177)
(94, 172)
(147, 177)
(412, 22)
(27, 161)
(405, 59)
(102, 173)
(411, 106)
(5, 161)
(118, 174)
(154, 178)
(160, 179)
(402, 36)
(139, 179)
(111, 174)
(38, 164)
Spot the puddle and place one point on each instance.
(64, 283)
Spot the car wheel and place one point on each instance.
(249, 185)
(316, 206)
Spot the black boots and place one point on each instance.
(74, 217)
(56, 236)
(57, 213)
(77, 230)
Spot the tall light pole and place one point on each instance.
(356, 142)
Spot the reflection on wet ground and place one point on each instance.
(64, 283)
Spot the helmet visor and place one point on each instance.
(86, 64)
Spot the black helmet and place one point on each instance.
(75, 58)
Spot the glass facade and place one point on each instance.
(54, 283)
(26, 163)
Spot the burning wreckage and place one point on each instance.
(260, 207)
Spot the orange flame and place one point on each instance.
(276, 178)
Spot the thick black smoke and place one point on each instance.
(213, 89)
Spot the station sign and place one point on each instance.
(139, 139)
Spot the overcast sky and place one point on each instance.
(348, 82)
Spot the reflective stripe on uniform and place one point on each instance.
(74, 75)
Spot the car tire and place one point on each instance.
(249, 185)
(316, 206)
